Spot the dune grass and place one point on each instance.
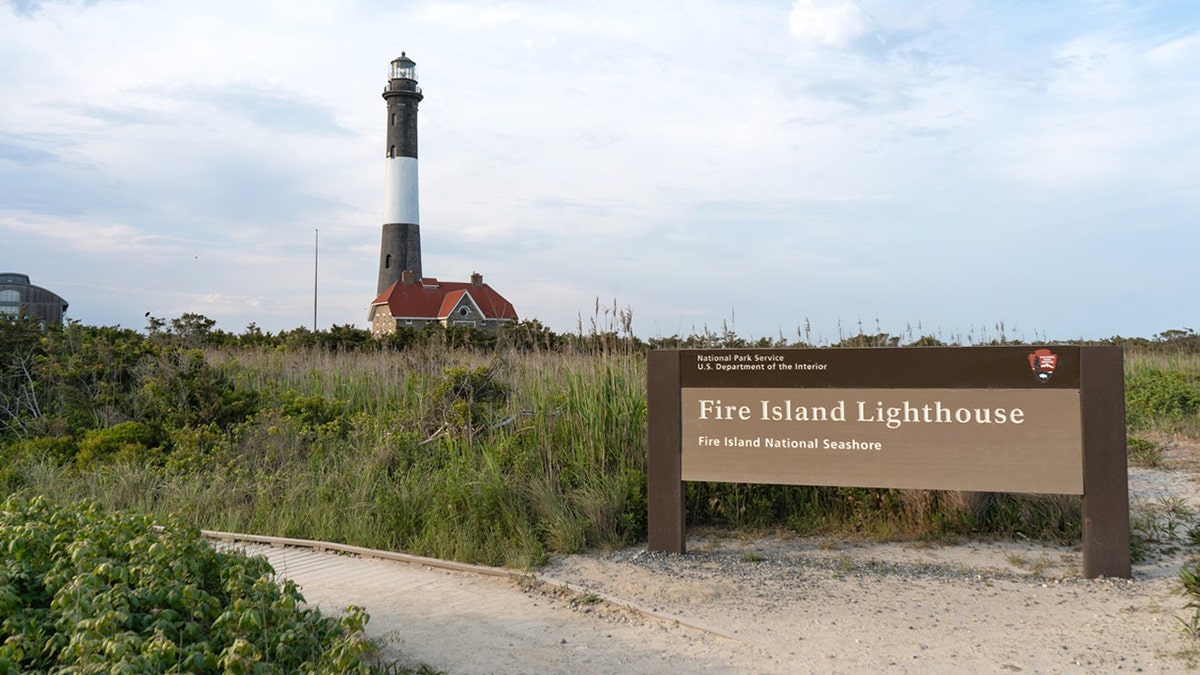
(498, 456)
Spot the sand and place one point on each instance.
(786, 604)
(827, 605)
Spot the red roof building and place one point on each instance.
(413, 303)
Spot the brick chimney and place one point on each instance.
(408, 277)
(476, 279)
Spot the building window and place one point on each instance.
(10, 301)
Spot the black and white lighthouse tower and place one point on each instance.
(400, 250)
(406, 299)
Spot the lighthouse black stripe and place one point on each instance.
(400, 250)
(402, 127)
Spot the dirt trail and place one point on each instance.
(463, 623)
(780, 605)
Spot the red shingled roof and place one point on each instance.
(433, 299)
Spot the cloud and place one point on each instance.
(833, 23)
(94, 238)
(277, 110)
(31, 8)
(861, 156)
(122, 115)
(36, 179)
(17, 150)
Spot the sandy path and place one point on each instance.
(789, 605)
(860, 610)
(780, 605)
(463, 623)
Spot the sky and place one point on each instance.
(796, 169)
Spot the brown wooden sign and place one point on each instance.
(1000, 419)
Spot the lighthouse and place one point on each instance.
(400, 250)
(407, 299)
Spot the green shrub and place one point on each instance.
(312, 410)
(177, 388)
(193, 448)
(1162, 400)
(1144, 453)
(1189, 576)
(468, 399)
(125, 441)
(57, 449)
(82, 590)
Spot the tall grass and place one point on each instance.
(371, 449)
(1140, 361)
(498, 457)
(1162, 392)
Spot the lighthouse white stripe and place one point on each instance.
(400, 191)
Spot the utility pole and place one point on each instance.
(316, 258)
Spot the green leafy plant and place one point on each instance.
(1145, 453)
(125, 441)
(1162, 399)
(1189, 576)
(83, 590)
(467, 399)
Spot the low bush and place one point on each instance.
(1145, 453)
(82, 590)
(1162, 400)
(1189, 576)
(127, 441)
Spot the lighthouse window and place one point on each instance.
(387, 261)
(393, 119)
(391, 151)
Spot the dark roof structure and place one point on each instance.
(17, 295)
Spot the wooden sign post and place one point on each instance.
(1047, 420)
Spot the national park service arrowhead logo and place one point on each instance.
(1043, 362)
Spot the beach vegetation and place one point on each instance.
(495, 449)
